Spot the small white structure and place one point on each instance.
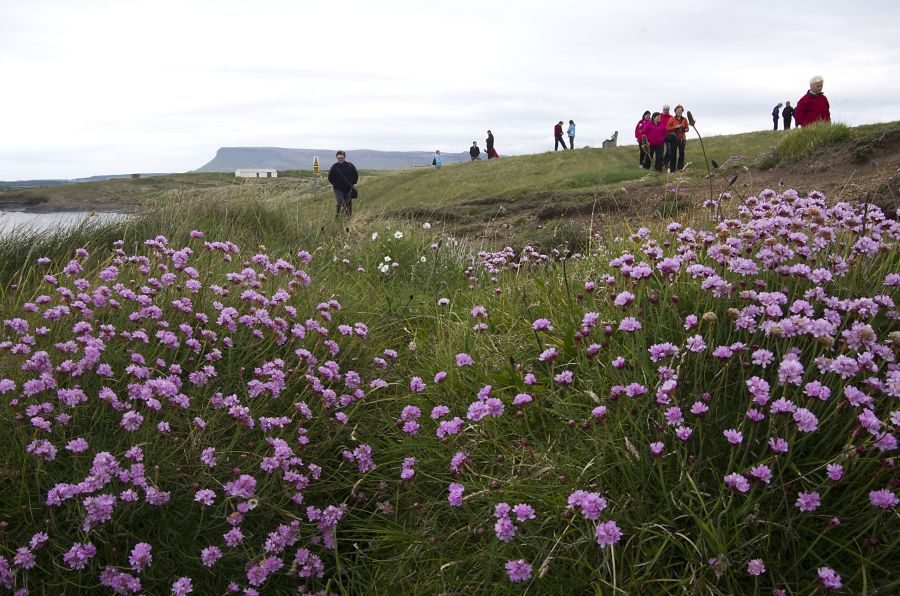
(256, 173)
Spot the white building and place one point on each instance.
(256, 173)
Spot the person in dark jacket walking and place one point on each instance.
(343, 176)
(489, 145)
(474, 151)
(787, 114)
(558, 136)
(775, 113)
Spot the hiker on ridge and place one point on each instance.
(474, 151)
(343, 176)
(643, 156)
(489, 143)
(571, 133)
(676, 130)
(787, 114)
(436, 160)
(558, 136)
(813, 107)
(775, 111)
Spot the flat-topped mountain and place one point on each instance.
(228, 159)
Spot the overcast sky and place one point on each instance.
(122, 86)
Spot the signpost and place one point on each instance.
(315, 173)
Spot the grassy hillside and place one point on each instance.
(561, 173)
(233, 389)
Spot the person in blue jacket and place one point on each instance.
(436, 162)
(571, 133)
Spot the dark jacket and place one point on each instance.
(474, 151)
(557, 131)
(787, 113)
(343, 176)
(490, 143)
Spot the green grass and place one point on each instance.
(403, 537)
(684, 532)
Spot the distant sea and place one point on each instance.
(16, 221)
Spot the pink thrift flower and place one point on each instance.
(209, 555)
(756, 567)
(504, 529)
(457, 461)
(518, 571)
(835, 472)
(808, 501)
(830, 580)
(762, 473)
(629, 324)
(684, 433)
(521, 399)
(883, 499)
(607, 534)
(548, 354)
(463, 359)
(564, 378)
(542, 325)
(733, 436)
(140, 557)
(806, 420)
(737, 482)
(656, 448)
(523, 512)
(455, 497)
(182, 586)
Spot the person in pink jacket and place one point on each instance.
(643, 156)
(656, 138)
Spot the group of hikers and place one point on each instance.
(475, 151)
(812, 107)
(558, 136)
(662, 136)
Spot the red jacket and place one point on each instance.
(812, 108)
(677, 127)
(656, 133)
(637, 129)
(664, 119)
(557, 130)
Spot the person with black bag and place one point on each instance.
(343, 176)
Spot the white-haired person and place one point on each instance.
(813, 106)
(664, 117)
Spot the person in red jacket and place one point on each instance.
(664, 120)
(813, 107)
(558, 136)
(643, 156)
(676, 129)
(656, 138)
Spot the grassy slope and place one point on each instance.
(561, 173)
(424, 545)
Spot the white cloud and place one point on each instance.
(116, 87)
